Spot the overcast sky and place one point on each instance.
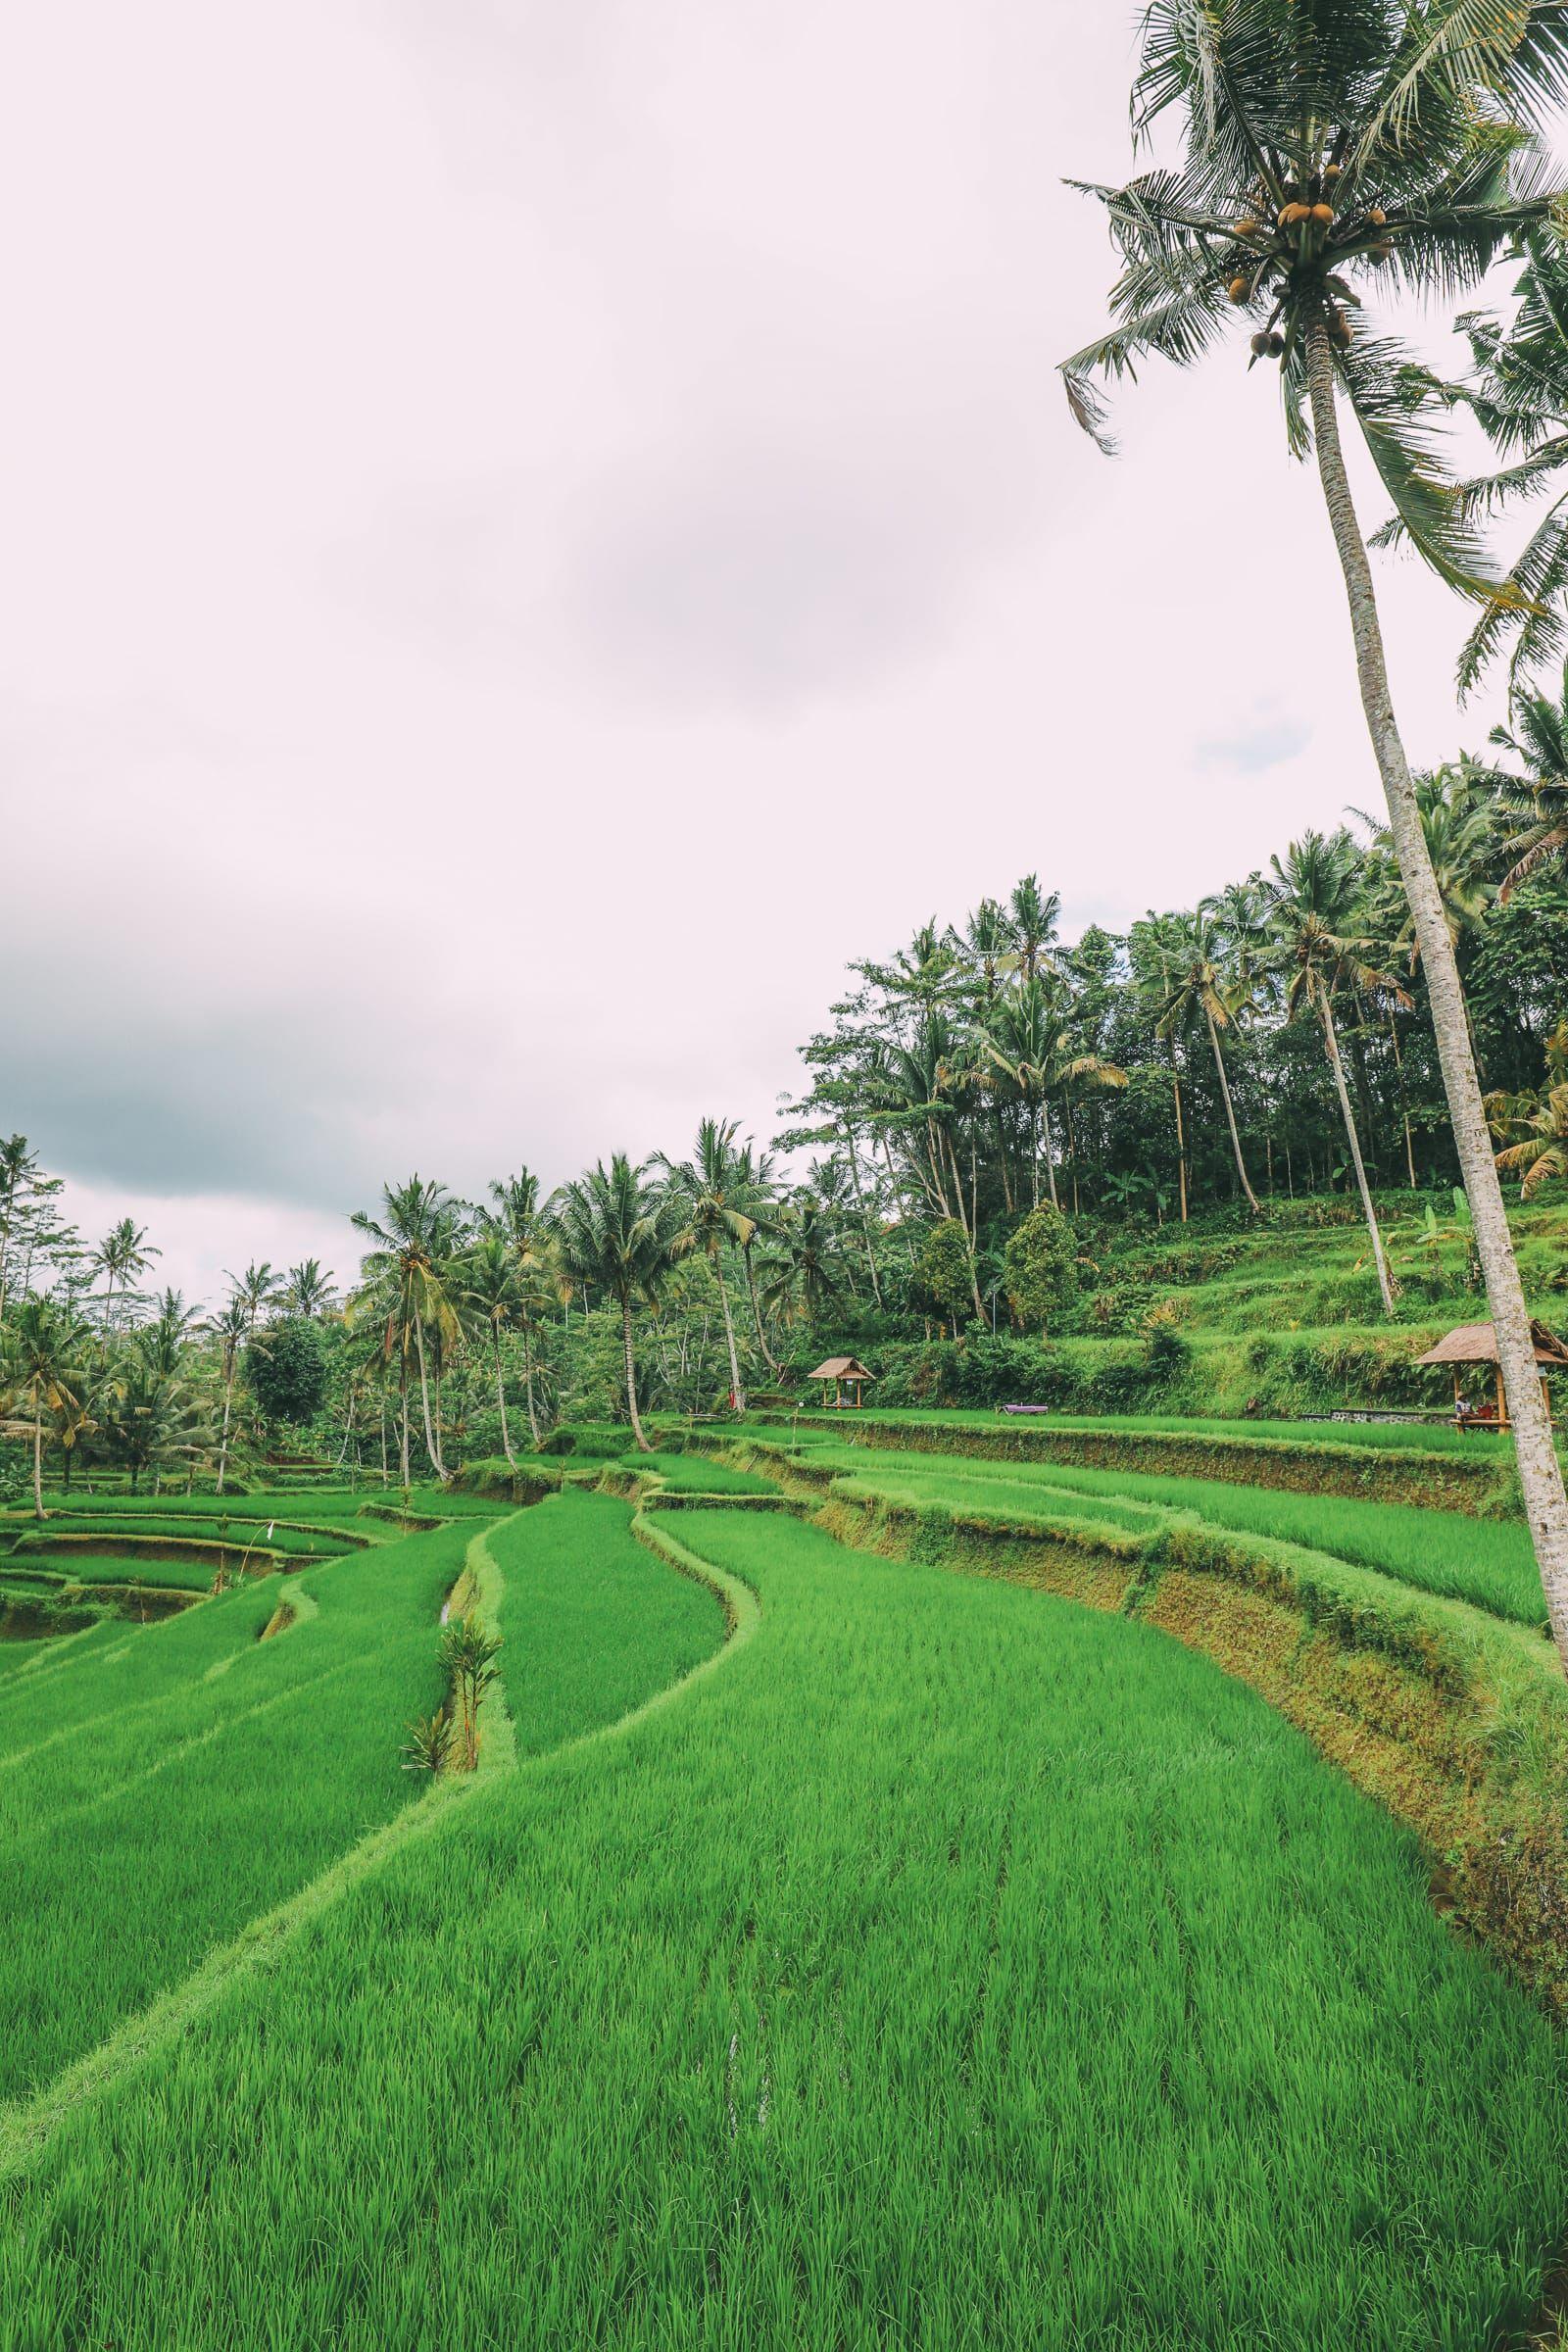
(534, 532)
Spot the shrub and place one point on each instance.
(286, 1372)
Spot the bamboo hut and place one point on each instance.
(1477, 1343)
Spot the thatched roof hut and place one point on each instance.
(841, 1372)
(1477, 1343)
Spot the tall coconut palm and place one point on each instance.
(521, 1224)
(1033, 915)
(1532, 804)
(123, 1254)
(1153, 947)
(43, 1378)
(1325, 143)
(1202, 989)
(260, 1288)
(1026, 1041)
(1315, 918)
(803, 1277)
(404, 1282)
(759, 1196)
(488, 1277)
(709, 1189)
(617, 1229)
(229, 1327)
(1517, 391)
(308, 1290)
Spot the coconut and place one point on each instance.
(1260, 344)
(1340, 328)
(1377, 217)
(1247, 227)
(1380, 252)
(1323, 214)
(1276, 346)
(1331, 172)
(1237, 289)
(1293, 213)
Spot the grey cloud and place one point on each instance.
(1260, 743)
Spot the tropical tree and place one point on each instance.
(1027, 1042)
(230, 1328)
(307, 1291)
(260, 1288)
(803, 1278)
(403, 1282)
(489, 1282)
(1315, 918)
(1323, 144)
(709, 1188)
(1532, 806)
(123, 1254)
(1202, 989)
(19, 1167)
(524, 1228)
(617, 1229)
(43, 1378)
(1538, 1152)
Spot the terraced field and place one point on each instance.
(931, 1962)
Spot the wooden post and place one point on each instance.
(1503, 1402)
(1545, 1399)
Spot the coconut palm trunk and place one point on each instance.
(1229, 1115)
(228, 1409)
(1331, 1039)
(866, 1227)
(1539, 1472)
(403, 1414)
(768, 1357)
(37, 1464)
(1181, 1138)
(432, 1445)
(643, 1446)
(528, 1383)
(737, 1394)
(1043, 1127)
(501, 1397)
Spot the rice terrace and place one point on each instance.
(929, 1719)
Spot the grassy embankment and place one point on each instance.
(955, 1966)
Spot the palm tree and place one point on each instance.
(517, 1218)
(1201, 987)
(1026, 1041)
(708, 1187)
(1323, 143)
(122, 1254)
(489, 1278)
(43, 1372)
(1538, 1152)
(307, 1291)
(759, 1192)
(1518, 393)
(800, 1275)
(259, 1288)
(1151, 950)
(615, 1229)
(1033, 914)
(404, 1282)
(1315, 919)
(229, 1327)
(1536, 803)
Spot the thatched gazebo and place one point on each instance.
(841, 1372)
(1477, 1343)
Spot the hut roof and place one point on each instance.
(841, 1367)
(1477, 1343)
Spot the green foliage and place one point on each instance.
(937, 1764)
(1040, 1268)
(944, 1270)
(287, 1376)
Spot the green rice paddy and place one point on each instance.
(951, 1967)
(941, 1965)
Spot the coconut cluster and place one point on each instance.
(1300, 229)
